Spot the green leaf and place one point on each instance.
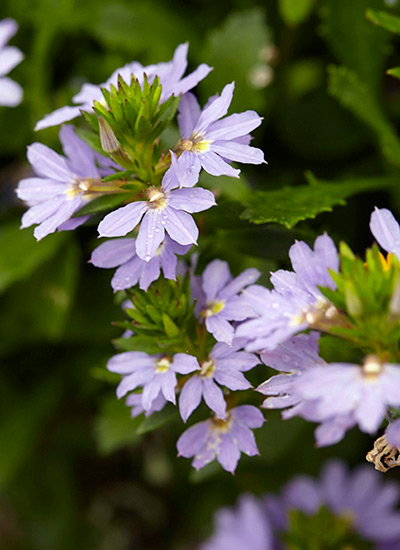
(170, 327)
(118, 176)
(114, 427)
(157, 419)
(384, 19)
(91, 138)
(49, 293)
(394, 72)
(294, 12)
(356, 43)
(148, 344)
(290, 205)
(345, 86)
(238, 50)
(21, 254)
(21, 425)
(104, 202)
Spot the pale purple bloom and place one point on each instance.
(244, 528)
(10, 92)
(224, 366)
(131, 270)
(222, 439)
(134, 400)
(359, 495)
(292, 359)
(218, 299)
(296, 302)
(362, 494)
(165, 210)
(393, 433)
(210, 141)
(386, 230)
(155, 373)
(367, 502)
(62, 185)
(170, 74)
(340, 389)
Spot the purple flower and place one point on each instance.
(340, 389)
(210, 142)
(10, 92)
(218, 300)
(155, 373)
(369, 502)
(291, 359)
(244, 528)
(386, 230)
(134, 400)
(393, 433)
(63, 185)
(360, 497)
(222, 439)
(121, 253)
(296, 302)
(224, 366)
(165, 210)
(170, 74)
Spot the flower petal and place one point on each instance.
(180, 226)
(63, 114)
(151, 235)
(113, 253)
(123, 220)
(191, 200)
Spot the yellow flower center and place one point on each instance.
(156, 198)
(213, 308)
(372, 368)
(207, 368)
(163, 365)
(195, 144)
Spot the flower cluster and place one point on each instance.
(341, 510)
(200, 334)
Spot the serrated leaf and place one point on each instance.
(157, 419)
(290, 205)
(294, 12)
(345, 86)
(114, 427)
(100, 204)
(384, 19)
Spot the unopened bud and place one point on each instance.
(109, 142)
(112, 146)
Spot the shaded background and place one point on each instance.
(74, 472)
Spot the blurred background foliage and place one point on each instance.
(75, 470)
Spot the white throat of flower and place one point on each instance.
(321, 311)
(163, 365)
(195, 144)
(207, 368)
(81, 185)
(372, 368)
(156, 198)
